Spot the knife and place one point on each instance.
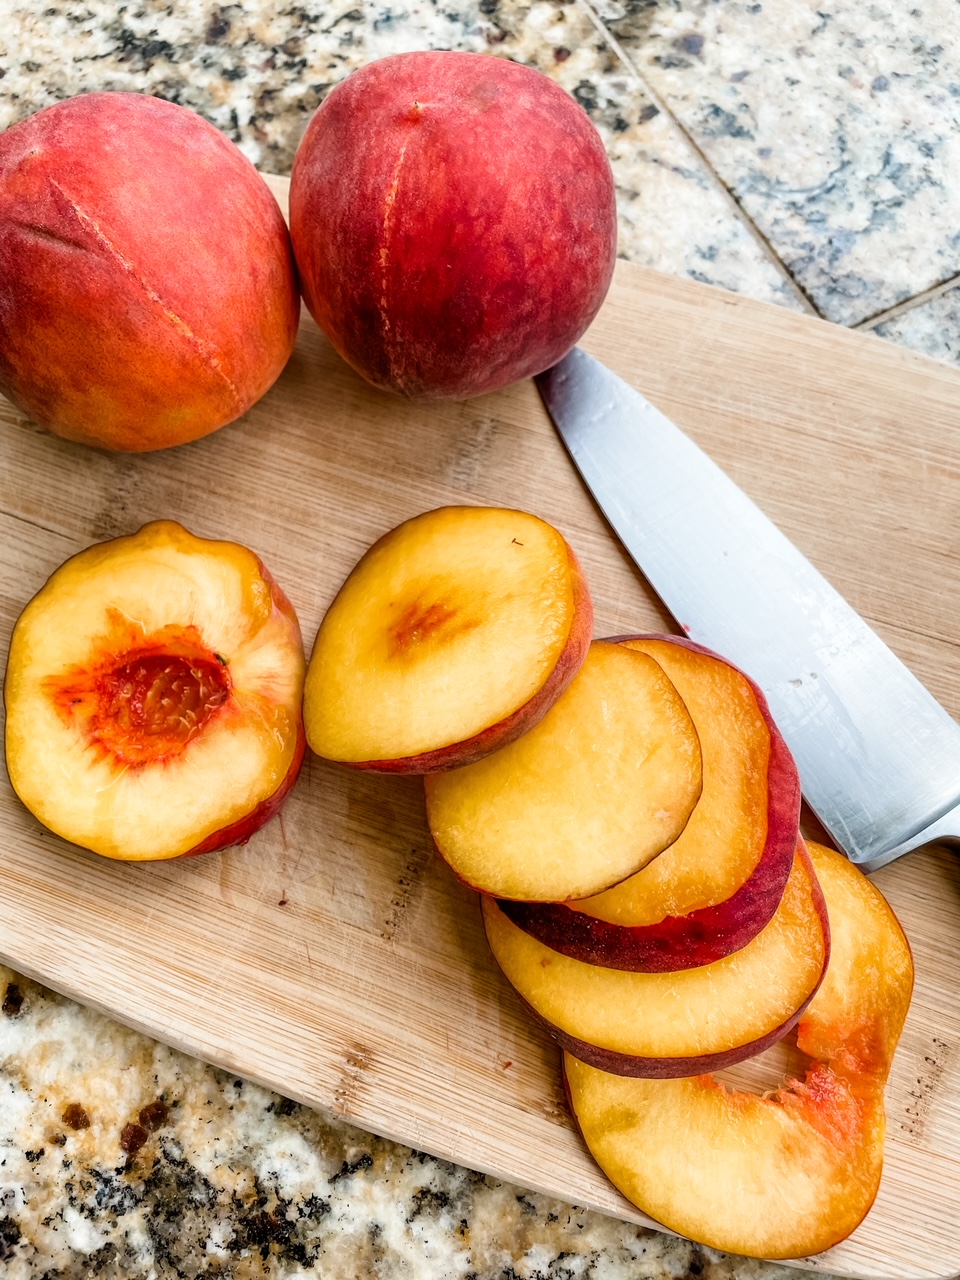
(879, 758)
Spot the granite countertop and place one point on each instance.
(806, 155)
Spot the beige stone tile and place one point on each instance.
(836, 125)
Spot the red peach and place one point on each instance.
(147, 288)
(454, 222)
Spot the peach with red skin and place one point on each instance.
(705, 933)
(454, 222)
(148, 293)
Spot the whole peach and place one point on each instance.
(453, 220)
(147, 288)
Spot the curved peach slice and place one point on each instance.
(720, 882)
(452, 636)
(153, 696)
(785, 1175)
(664, 1025)
(604, 782)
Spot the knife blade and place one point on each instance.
(879, 757)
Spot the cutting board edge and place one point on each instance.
(832, 1262)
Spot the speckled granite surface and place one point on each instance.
(121, 1158)
(803, 154)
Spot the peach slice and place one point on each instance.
(153, 695)
(665, 1025)
(453, 635)
(784, 1175)
(720, 882)
(604, 782)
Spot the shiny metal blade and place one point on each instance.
(879, 758)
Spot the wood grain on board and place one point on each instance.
(334, 957)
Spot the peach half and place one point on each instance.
(720, 882)
(153, 696)
(787, 1174)
(454, 634)
(597, 789)
(663, 1025)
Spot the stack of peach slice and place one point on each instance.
(693, 790)
(629, 813)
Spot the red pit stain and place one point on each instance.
(148, 696)
(421, 622)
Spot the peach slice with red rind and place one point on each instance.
(664, 1025)
(454, 634)
(791, 1173)
(597, 789)
(153, 696)
(720, 882)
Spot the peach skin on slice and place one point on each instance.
(784, 1175)
(720, 882)
(153, 696)
(604, 782)
(453, 635)
(664, 1025)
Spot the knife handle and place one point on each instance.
(946, 830)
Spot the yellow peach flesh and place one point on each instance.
(791, 1173)
(447, 626)
(684, 1014)
(787, 1186)
(154, 797)
(598, 788)
(729, 821)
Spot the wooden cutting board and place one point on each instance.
(334, 957)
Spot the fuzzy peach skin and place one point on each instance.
(147, 289)
(454, 222)
(153, 695)
(792, 1172)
